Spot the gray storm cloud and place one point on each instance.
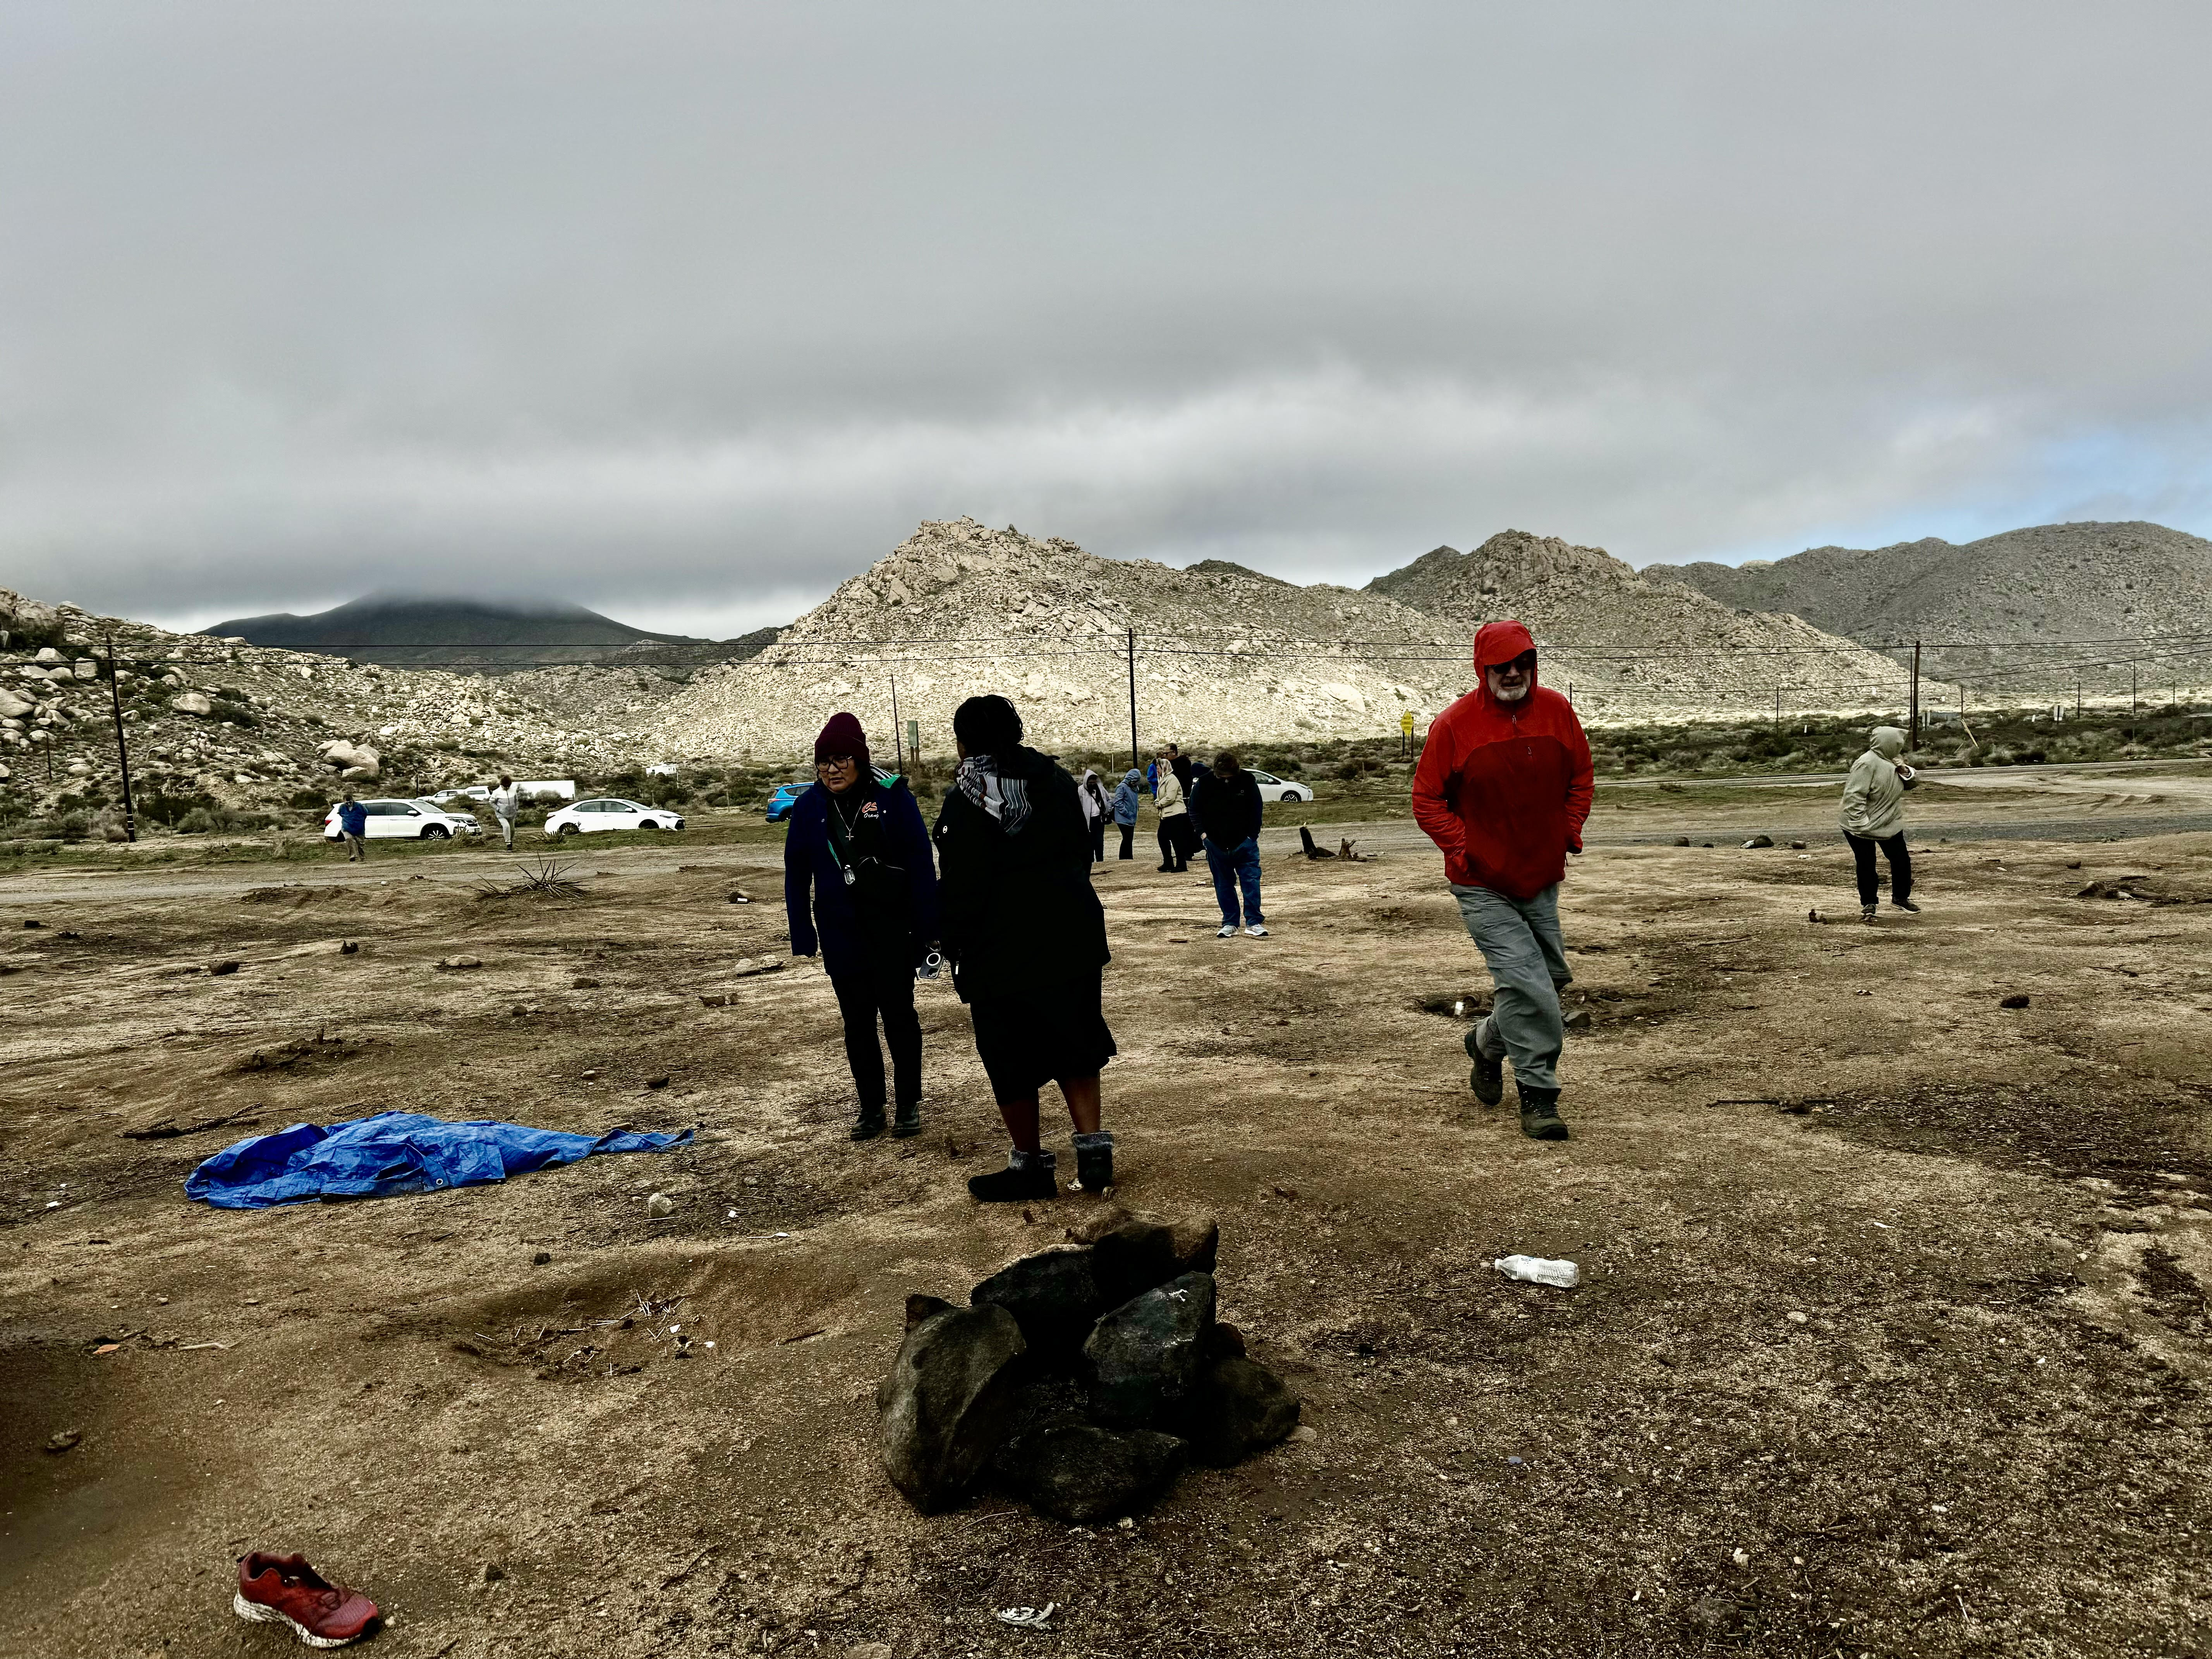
(688, 313)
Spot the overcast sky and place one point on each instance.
(690, 312)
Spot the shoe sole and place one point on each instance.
(1552, 1131)
(255, 1612)
(905, 1131)
(867, 1133)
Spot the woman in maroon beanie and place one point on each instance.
(857, 844)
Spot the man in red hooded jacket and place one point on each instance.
(1503, 787)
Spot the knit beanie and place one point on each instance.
(843, 736)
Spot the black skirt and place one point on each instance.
(1041, 1035)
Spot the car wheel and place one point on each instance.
(568, 830)
(648, 824)
(436, 832)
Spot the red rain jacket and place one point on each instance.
(1503, 789)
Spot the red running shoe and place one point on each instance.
(284, 1587)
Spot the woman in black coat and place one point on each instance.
(1026, 936)
(857, 843)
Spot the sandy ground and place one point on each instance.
(1896, 1292)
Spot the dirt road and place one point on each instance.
(1892, 1338)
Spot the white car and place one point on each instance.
(405, 820)
(610, 812)
(1273, 788)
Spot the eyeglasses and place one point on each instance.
(835, 762)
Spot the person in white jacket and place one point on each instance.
(1174, 816)
(1874, 816)
(506, 806)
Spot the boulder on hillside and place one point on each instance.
(192, 702)
(949, 1401)
(13, 708)
(1078, 1472)
(350, 761)
(1144, 1357)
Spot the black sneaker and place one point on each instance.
(869, 1124)
(908, 1121)
(1487, 1079)
(1540, 1115)
(1094, 1163)
(1866, 913)
(1018, 1182)
(1905, 904)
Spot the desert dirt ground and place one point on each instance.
(1897, 1292)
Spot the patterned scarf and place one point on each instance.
(1003, 795)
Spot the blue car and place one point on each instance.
(784, 797)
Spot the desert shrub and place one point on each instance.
(306, 800)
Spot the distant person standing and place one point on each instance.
(1175, 815)
(858, 846)
(1090, 791)
(1503, 787)
(506, 806)
(1026, 937)
(1128, 801)
(1874, 816)
(352, 827)
(1227, 812)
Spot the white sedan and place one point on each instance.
(610, 812)
(405, 820)
(1273, 788)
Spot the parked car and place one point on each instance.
(610, 812)
(474, 792)
(782, 799)
(1274, 788)
(405, 820)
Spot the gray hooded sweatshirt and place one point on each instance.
(1874, 795)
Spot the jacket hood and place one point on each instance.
(1886, 741)
(1132, 775)
(1500, 642)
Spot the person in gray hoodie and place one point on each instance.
(1874, 816)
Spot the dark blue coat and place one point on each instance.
(833, 924)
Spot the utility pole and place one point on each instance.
(898, 731)
(1135, 760)
(2077, 697)
(122, 749)
(1915, 721)
(2131, 690)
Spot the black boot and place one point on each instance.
(1487, 1079)
(908, 1121)
(870, 1123)
(1540, 1115)
(1094, 1161)
(1027, 1177)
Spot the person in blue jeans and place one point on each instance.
(1225, 806)
(1128, 801)
(352, 827)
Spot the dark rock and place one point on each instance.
(919, 1307)
(349, 949)
(1197, 1242)
(2018, 999)
(1223, 1342)
(1078, 1472)
(1759, 841)
(221, 968)
(1143, 1356)
(1681, 840)
(583, 982)
(1239, 1406)
(948, 1402)
(1053, 1297)
(1132, 1259)
(1796, 846)
(656, 1082)
(541, 1258)
(29, 922)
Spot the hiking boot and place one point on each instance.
(1027, 1177)
(1540, 1115)
(1866, 913)
(869, 1124)
(1487, 1079)
(1905, 904)
(908, 1121)
(1228, 931)
(1094, 1161)
(284, 1589)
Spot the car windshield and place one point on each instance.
(1266, 777)
(626, 806)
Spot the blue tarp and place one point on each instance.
(393, 1152)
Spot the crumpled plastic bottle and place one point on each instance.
(1539, 1270)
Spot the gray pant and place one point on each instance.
(1519, 940)
(354, 845)
(507, 832)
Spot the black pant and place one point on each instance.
(1901, 866)
(1173, 853)
(883, 988)
(1128, 839)
(1098, 842)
